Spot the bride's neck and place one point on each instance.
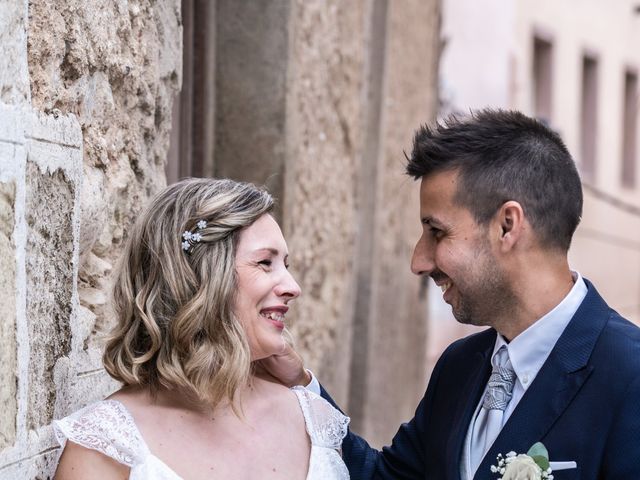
(183, 400)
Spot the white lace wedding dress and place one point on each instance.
(108, 427)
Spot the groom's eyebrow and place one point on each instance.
(431, 221)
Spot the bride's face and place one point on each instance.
(265, 286)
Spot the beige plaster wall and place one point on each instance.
(606, 248)
(396, 368)
(362, 77)
(609, 30)
(324, 152)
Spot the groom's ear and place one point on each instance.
(510, 224)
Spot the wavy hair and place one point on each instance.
(174, 309)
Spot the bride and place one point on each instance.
(201, 294)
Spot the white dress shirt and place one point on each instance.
(527, 352)
(314, 384)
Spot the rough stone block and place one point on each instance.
(49, 257)
(14, 80)
(55, 128)
(8, 365)
(37, 466)
(11, 125)
(81, 379)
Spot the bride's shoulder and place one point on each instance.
(105, 427)
(106, 417)
(78, 462)
(100, 438)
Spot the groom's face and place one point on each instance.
(456, 252)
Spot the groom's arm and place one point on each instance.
(358, 455)
(406, 457)
(622, 452)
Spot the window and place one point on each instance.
(542, 77)
(589, 117)
(629, 130)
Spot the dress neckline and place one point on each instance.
(148, 454)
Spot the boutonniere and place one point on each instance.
(534, 465)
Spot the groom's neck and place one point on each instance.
(540, 281)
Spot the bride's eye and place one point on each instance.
(266, 263)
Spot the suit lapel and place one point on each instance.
(468, 399)
(555, 386)
(536, 413)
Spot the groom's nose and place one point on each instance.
(422, 260)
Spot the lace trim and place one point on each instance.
(326, 426)
(106, 427)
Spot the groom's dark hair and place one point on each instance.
(500, 156)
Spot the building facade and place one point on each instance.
(575, 65)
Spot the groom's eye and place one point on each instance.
(436, 232)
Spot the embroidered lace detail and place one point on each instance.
(326, 426)
(106, 427)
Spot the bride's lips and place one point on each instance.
(275, 315)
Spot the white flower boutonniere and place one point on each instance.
(534, 465)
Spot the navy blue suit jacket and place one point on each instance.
(584, 405)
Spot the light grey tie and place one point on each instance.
(501, 381)
(490, 418)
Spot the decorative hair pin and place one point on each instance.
(191, 237)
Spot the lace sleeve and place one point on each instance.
(106, 427)
(326, 425)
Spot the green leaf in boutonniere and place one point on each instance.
(540, 455)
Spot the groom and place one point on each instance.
(500, 199)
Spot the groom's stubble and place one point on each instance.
(485, 293)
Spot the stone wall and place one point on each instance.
(45, 166)
(116, 67)
(86, 89)
(8, 340)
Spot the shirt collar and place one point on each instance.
(529, 350)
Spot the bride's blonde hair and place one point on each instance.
(174, 307)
